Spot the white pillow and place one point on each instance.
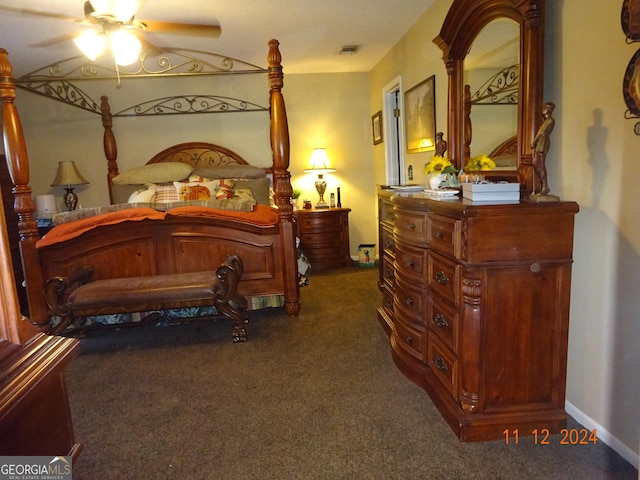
(142, 196)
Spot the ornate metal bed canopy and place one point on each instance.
(59, 81)
(499, 89)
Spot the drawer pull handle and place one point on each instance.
(410, 263)
(411, 226)
(389, 303)
(441, 278)
(439, 234)
(409, 301)
(388, 273)
(388, 244)
(440, 364)
(408, 339)
(440, 321)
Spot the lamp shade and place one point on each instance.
(320, 162)
(125, 46)
(68, 174)
(91, 44)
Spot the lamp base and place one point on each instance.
(321, 204)
(70, 199)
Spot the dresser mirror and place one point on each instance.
(475, 33)
(492, 71)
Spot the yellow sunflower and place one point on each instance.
(439, 165)
(481, 162)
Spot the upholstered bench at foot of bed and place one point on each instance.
(76, 296)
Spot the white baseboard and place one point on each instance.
(603, 435)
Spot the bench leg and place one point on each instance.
(228, 301)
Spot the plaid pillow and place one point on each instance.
(166, 193)
(225, 190)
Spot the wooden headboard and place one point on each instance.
(508, 147)
(199, 154)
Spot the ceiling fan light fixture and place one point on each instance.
(122, 10)
(125, 46)
(91, 43)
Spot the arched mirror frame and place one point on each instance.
(465, 19)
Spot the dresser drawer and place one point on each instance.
(411, 339)
(411, 263)
(443, 364)
(443, 321)
(387, 241)
(387, 298)
(444, 235)
(388, 272)
(410, 302)
(442, 277)
(410, 226)
(385, 210)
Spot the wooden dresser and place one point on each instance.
(475, 299)
(324, 237)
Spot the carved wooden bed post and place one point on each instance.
(282, 177)
(16, 153)
(109, 144)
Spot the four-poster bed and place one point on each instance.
(182, 240)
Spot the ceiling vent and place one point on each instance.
(350, 49)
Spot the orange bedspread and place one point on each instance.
(261, 215)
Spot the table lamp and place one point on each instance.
(68, 175)
(320, 165)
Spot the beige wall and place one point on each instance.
(414, 59)
(330, 111)
(594, 159)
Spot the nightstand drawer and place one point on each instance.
(324, 237)
(321, 239)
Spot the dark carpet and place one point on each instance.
(312, 397)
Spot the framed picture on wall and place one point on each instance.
(376, 127)
(420, 116)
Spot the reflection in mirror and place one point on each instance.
(491, 69)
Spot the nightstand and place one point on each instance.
(324, 237)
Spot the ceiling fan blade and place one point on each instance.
(121, 10)
(193, 29)
(38, 13)
(52, 41)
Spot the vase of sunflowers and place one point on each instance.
(439, 168)
(481, 162)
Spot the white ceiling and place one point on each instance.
(311, 32)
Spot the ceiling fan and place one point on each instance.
(117, 29)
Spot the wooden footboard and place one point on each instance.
(173, 245)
